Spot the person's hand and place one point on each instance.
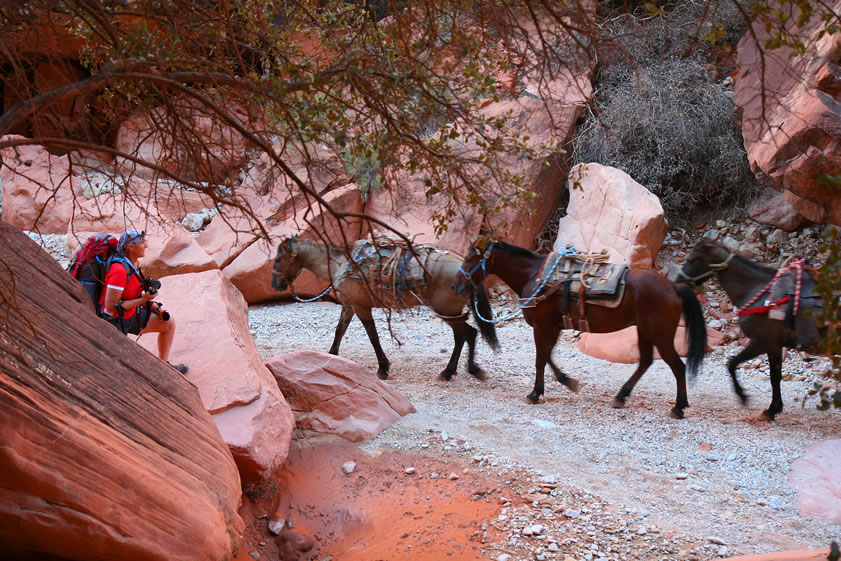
(146, 296)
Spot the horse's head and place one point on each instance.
(705, 260)
(473, 269)
(287, 264)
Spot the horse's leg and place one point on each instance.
(462, 332)
(474, 369)
(646, 358)
(753, 350)
(371, 329)
(545, 338)
(341, 327)
(775, 363)
(570, 383)
(669, 354)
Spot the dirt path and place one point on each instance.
(633, 482)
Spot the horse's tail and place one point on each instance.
(696, 328)
(482, 309)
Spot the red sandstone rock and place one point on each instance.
(213, 339)
(334, 395)
(102, 458)
(790, 120)
(773, 209)
(609, 210)
(38, 195)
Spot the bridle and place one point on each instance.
(713, 268)
(480, 265)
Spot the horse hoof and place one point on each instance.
(446, 375)
(572, 385)
(533, 399)
(478, 373)
(618, 403)
(676, 414)
(382, 375)
(766, 417)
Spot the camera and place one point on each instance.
(151, 285)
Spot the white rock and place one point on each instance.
(276, 526)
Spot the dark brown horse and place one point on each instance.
(763, 290)
(651, 302)
(359, 292)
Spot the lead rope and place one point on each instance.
(523, 302)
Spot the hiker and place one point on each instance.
(127, 299)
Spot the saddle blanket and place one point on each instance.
(386, 261)
(602, 281)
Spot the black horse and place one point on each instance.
(651, 302)
(773, 304)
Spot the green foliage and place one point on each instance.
(829, 289)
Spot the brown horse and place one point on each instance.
(763, 291)
(356, 289)
(651, 302)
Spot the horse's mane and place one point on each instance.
(750, 264)
(755, 265)
(517, 250)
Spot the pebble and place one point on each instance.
(276, 526)
(409, 470)
(348, 467)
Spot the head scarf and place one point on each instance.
(130, 237)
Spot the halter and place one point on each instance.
(712, 270)
(480, 265)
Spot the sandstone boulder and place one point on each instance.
(38, 191)
(213, 339)
(334, 395)
(106, 451)
(543, 112)
(622, 347)
(772, 209)
(609, 210)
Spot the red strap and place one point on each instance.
(763, 309)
